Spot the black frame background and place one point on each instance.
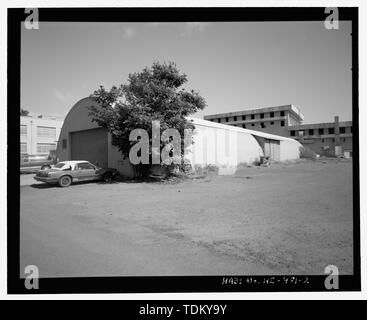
(165, 284)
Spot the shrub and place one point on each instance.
(211, 168)
(205, 170)
(306, 153)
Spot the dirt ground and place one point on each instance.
(284, 219)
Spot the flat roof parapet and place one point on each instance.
(43, 117)
(320, 125)
(288, 107)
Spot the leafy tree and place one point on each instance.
(24, 112)
(155, 93)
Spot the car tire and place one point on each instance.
(45, 167)
(65, 181)
(107, 177)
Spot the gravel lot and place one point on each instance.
(284, 219)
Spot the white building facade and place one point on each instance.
(39, 135)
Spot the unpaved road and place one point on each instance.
(27, 179)
(285, 219)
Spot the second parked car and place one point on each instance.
(34, 162)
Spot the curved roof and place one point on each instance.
(83, 102)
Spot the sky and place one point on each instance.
(234, 65)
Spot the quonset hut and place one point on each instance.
(214, 144)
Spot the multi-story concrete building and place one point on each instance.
(331, 138)
(273, 120)
(39, 135)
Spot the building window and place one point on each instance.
(235, 118)
(271, 114)
(263, 125)
(293, 133)
(23, 130)
(321, 131)
(64, 144)
(252, 117)
(342, 130)
(282, 123)
(244, 126)
(243, 117)
(219, 120)
(310, 132)
(252, 124)
(282, 113)
(331, 130)
(272, 122)
(46, 132)
(261, 115)
(227, 119)
(23, 148)
(45, 147)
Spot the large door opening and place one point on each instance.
(272, 149)
(90, 145)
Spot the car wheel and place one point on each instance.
(45, 167)
(107, 177)
(65, 181)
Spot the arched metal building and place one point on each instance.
(214, 143)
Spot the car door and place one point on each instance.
(85, 171)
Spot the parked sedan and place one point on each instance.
(67, 172)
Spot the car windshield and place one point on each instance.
(59, 165)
